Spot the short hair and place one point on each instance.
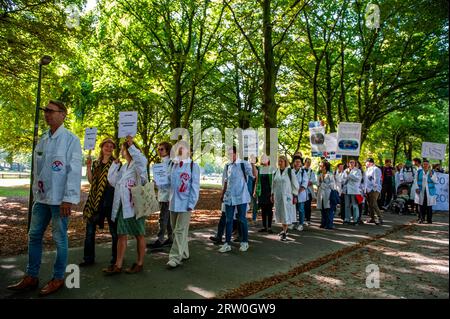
(167, 146)
(59, 104)
(307, 160)
(418, 160)
(234, 148)
(388, 160)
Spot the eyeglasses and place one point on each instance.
(47, 110)
(161, 149)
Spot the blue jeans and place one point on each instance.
(241, 215)
(40, 218)
(301, 213)
(350, 201)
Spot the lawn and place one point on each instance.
(14, 191)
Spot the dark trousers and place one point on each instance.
(164, 222)
(330, 219)
(425, 210)
(386, 194)
(267, 215)
(89, 241)
(308, 208)
(342, 207)
(324, 217)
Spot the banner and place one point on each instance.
(127, 124)
(433, 150)
(90, 137)
(441, 192)
(349, 138)
(317, 138)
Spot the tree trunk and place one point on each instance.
(269, 104)
(329, 93)
(175, 120)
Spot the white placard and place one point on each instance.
(160, 174)
(433, 150)
(349, 138)
(441, 192)
(250, 143)
(317, 138)
(90, 137)
(127, 124)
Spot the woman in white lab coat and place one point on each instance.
(284, 195)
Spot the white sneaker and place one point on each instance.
(172, 263)
(244, 247)
(291, 226)
(300, 227)
(225, 247)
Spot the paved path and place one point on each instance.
(208, 273)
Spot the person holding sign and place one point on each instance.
(123, 178)
(99, 203)
(163, 197)
(426, 189)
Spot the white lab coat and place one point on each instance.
(57, 168)
(283, 190)
(431, 199)
(313, 179)
(324, 191)
(184, 186)
(352, 181)
(302, 179)
(123, 178)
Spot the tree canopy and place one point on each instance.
(229, 64)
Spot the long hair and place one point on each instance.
(101, 155)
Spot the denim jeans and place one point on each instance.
(241, 215)
(89, 242)
(350, 201)
(329, 224)
(301, 213)
(40, 218)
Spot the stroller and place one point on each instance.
(400, 204)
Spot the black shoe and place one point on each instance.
(270, 231)
(86, 264)
(219, 242)
(262, 230)
(214, 238)
(237, 240)
(156, 244)
(167, 242)
(283, 237)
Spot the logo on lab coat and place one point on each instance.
(57, 166)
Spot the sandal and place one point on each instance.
(112, 270)
(135, 268)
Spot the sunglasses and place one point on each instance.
(47, 110)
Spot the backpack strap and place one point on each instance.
(243, 171)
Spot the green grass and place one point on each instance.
(210, 186)
(14, 191)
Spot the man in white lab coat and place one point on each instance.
(56, 187)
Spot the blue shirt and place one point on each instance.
(237, 190)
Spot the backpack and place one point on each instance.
(289, 173)
(242, 168)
